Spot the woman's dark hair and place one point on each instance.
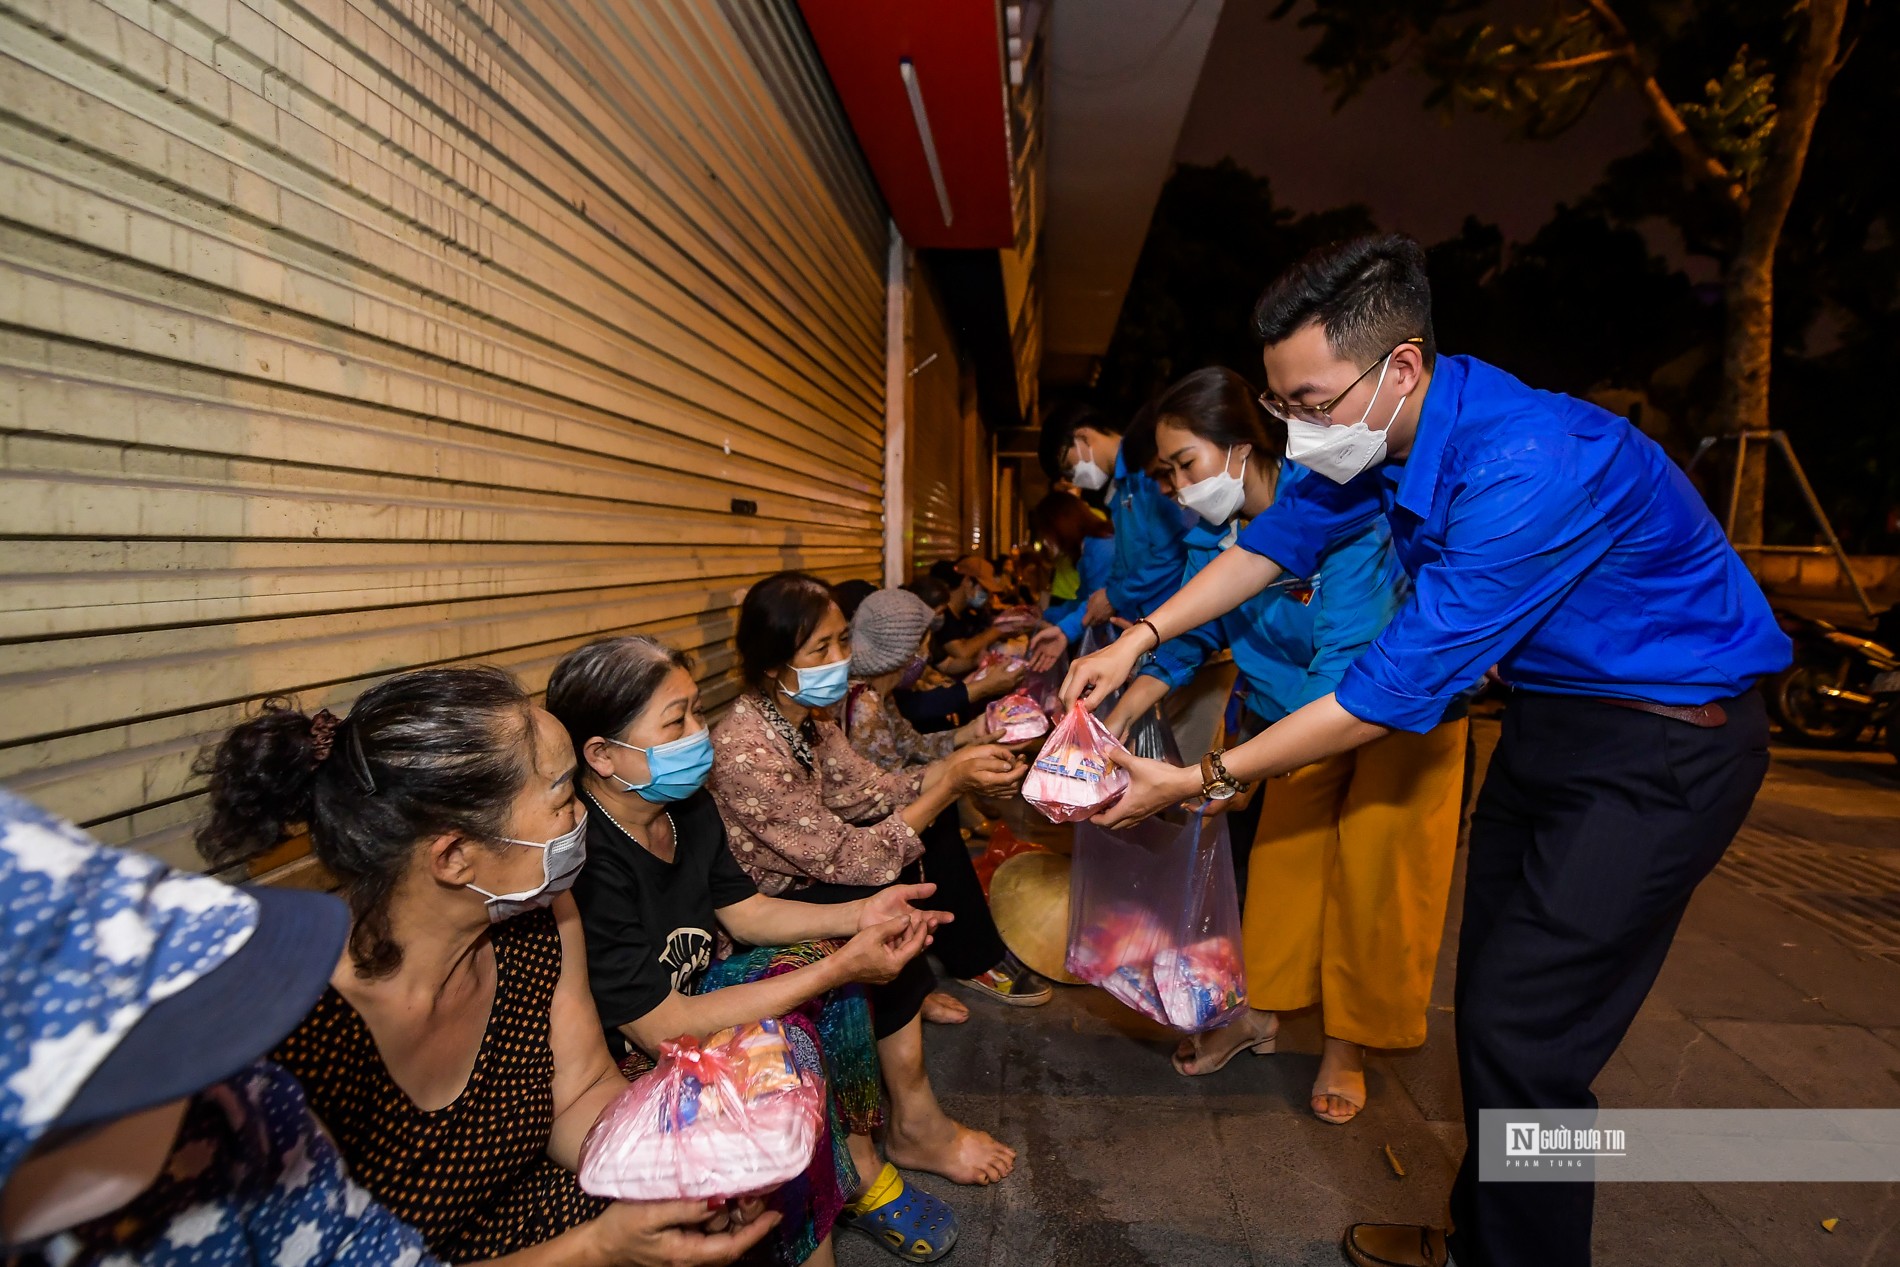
(1064, 520)
(602, 688)
(777, 616)
(1222, 408)
(1369, 295)
(931, 590)
(439, 750)
(848, 594)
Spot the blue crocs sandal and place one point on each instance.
(907, 1221)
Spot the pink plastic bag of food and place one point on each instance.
(732, 1118)
(1154, 920)
(1072, 777)
(1015, 718)
(1017, 619)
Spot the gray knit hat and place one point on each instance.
(886, 631)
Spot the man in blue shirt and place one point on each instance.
(1554, 543)
(1150, 529)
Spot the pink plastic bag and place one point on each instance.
(1155, 921)
(1015, 718)
(1017, 619)
(1072, 777)
(730, 1119)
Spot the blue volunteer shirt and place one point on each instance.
(1150, 550)
(1098, 560)
(1546, 536)
(1292, 640)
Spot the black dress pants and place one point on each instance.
(1594, 826)
(968, 946)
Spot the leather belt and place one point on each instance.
(1705, 716)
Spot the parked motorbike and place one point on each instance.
(1842, 684)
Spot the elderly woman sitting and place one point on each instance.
(888, 635)
(455, 1056)
(660, 884)
(810, 819)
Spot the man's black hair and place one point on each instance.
(1138, 443)
(1369, 295)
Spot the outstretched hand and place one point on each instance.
(1096, 675)
(896, 902)
(1153, 786)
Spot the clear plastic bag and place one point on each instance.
(732, 1118)
(1072, 777)
(1155, 921)
(1151, 736)
(1015, 718)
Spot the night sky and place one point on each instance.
(1259, 103)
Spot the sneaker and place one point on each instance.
(1012, 983)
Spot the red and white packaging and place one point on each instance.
(1072, 777)
(732, 1118)
(1015, 718)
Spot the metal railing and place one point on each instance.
(1778, 440)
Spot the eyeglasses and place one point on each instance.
(1322, 415)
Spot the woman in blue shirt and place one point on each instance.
(1350, 871)
(1084, 538)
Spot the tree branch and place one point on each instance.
(1578, 62)
(1701, 164)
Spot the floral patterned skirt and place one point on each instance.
(831, 1037)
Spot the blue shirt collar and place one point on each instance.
(1418, 480)
(1121, 467)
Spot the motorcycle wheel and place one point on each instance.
(1811, 717)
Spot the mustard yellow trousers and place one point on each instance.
(1347, 883)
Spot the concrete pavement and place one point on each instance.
(1782, 990)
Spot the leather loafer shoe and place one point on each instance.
(1395, 1245)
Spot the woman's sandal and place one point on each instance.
(1355, 1096)
(911, 1224)
(1192, 1050)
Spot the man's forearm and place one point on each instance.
(1320, 730)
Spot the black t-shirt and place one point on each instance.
(649, 924)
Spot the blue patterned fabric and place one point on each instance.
(95, 937)
(252, 1180)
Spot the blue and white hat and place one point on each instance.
(126, 984)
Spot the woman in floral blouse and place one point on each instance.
(811, 820)
(887, 636)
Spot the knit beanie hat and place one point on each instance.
(886, 631)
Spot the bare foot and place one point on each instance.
(954, 1151)
(1339, 1092)
(944, 1009)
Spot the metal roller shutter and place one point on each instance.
(342, 337)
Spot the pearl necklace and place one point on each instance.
(671, 829)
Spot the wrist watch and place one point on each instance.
(1216, 783)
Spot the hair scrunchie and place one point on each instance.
(323, 735)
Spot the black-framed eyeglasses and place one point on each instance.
(1322, 415)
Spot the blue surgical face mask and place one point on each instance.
(979, 597)
(675, 769)
(823, 686)
(561, 860)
